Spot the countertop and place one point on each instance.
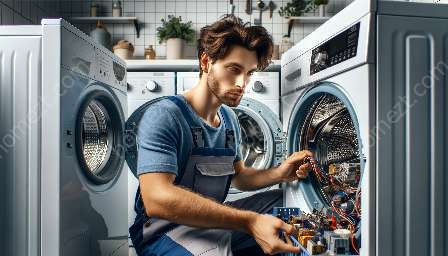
(176, 65)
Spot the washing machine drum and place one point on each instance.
(100, 129)
(261, 136)
(328, 127)
(253, 141)
(329, 130)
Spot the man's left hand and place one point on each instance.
(294, 167)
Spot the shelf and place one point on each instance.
(176, 65)
(133, 20)
(310, 19)
(305, 20)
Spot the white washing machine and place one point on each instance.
(366, 91)
(144, 88)
(262, 137)
(63, 102)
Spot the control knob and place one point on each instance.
(151, 86)
(320, 59)
(258, 86)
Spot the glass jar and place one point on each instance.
(116, 9)
(94, 10)
(150, 54)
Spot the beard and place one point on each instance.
(229, 98)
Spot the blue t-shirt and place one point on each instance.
(164, 137)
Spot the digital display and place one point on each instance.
(336, 50)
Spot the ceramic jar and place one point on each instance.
(124, 49)
(101, 35)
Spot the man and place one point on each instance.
(189, 153)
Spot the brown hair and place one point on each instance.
(217, 39)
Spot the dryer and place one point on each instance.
(258, 113)
(63, 101)
(365, 91)
(144, 88)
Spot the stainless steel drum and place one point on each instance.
(96, 141)
(329, 131)
(253, 141)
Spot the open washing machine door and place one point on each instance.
(324, 122)
(132, 125)
(99, 135)
(262, 139)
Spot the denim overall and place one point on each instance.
(208, 172)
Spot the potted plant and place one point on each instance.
(322, 6)
(295, 8)
(175, 33)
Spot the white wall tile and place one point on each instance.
(160, 6)
(150, 17)
(139, 51)
(201, 6)
(191, 7)
(150, 6)
(181, 7)
(150, 12)
(212, 6)
(140, 7)
(170, 7)
(211, 17)
(201, 17)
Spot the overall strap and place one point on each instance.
(184, 109)
(230, 134)
(196, 131)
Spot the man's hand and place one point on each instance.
(266, 229)
(294, 167)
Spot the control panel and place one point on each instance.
(80, 55)
(263, 86)
(150, 85)
(336, 50)
(109, 70)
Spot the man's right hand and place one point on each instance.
(266, 229)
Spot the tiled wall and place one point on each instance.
(200, 12)
(25, 12)
(150, 12)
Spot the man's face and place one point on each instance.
(229, 76)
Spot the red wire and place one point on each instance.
(353, 244)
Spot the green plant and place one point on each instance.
(175, 28)
(296, 8)
(320, 2)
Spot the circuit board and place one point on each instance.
(334, 229)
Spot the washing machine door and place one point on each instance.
(100, 134)
(324, 121)
(132, 125)
(262, 137)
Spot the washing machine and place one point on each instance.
(258, 113)
(144, 89)
(366, 91)
(63, 104)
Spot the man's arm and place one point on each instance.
(293, 168)
(165, 200)
(247, 179)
